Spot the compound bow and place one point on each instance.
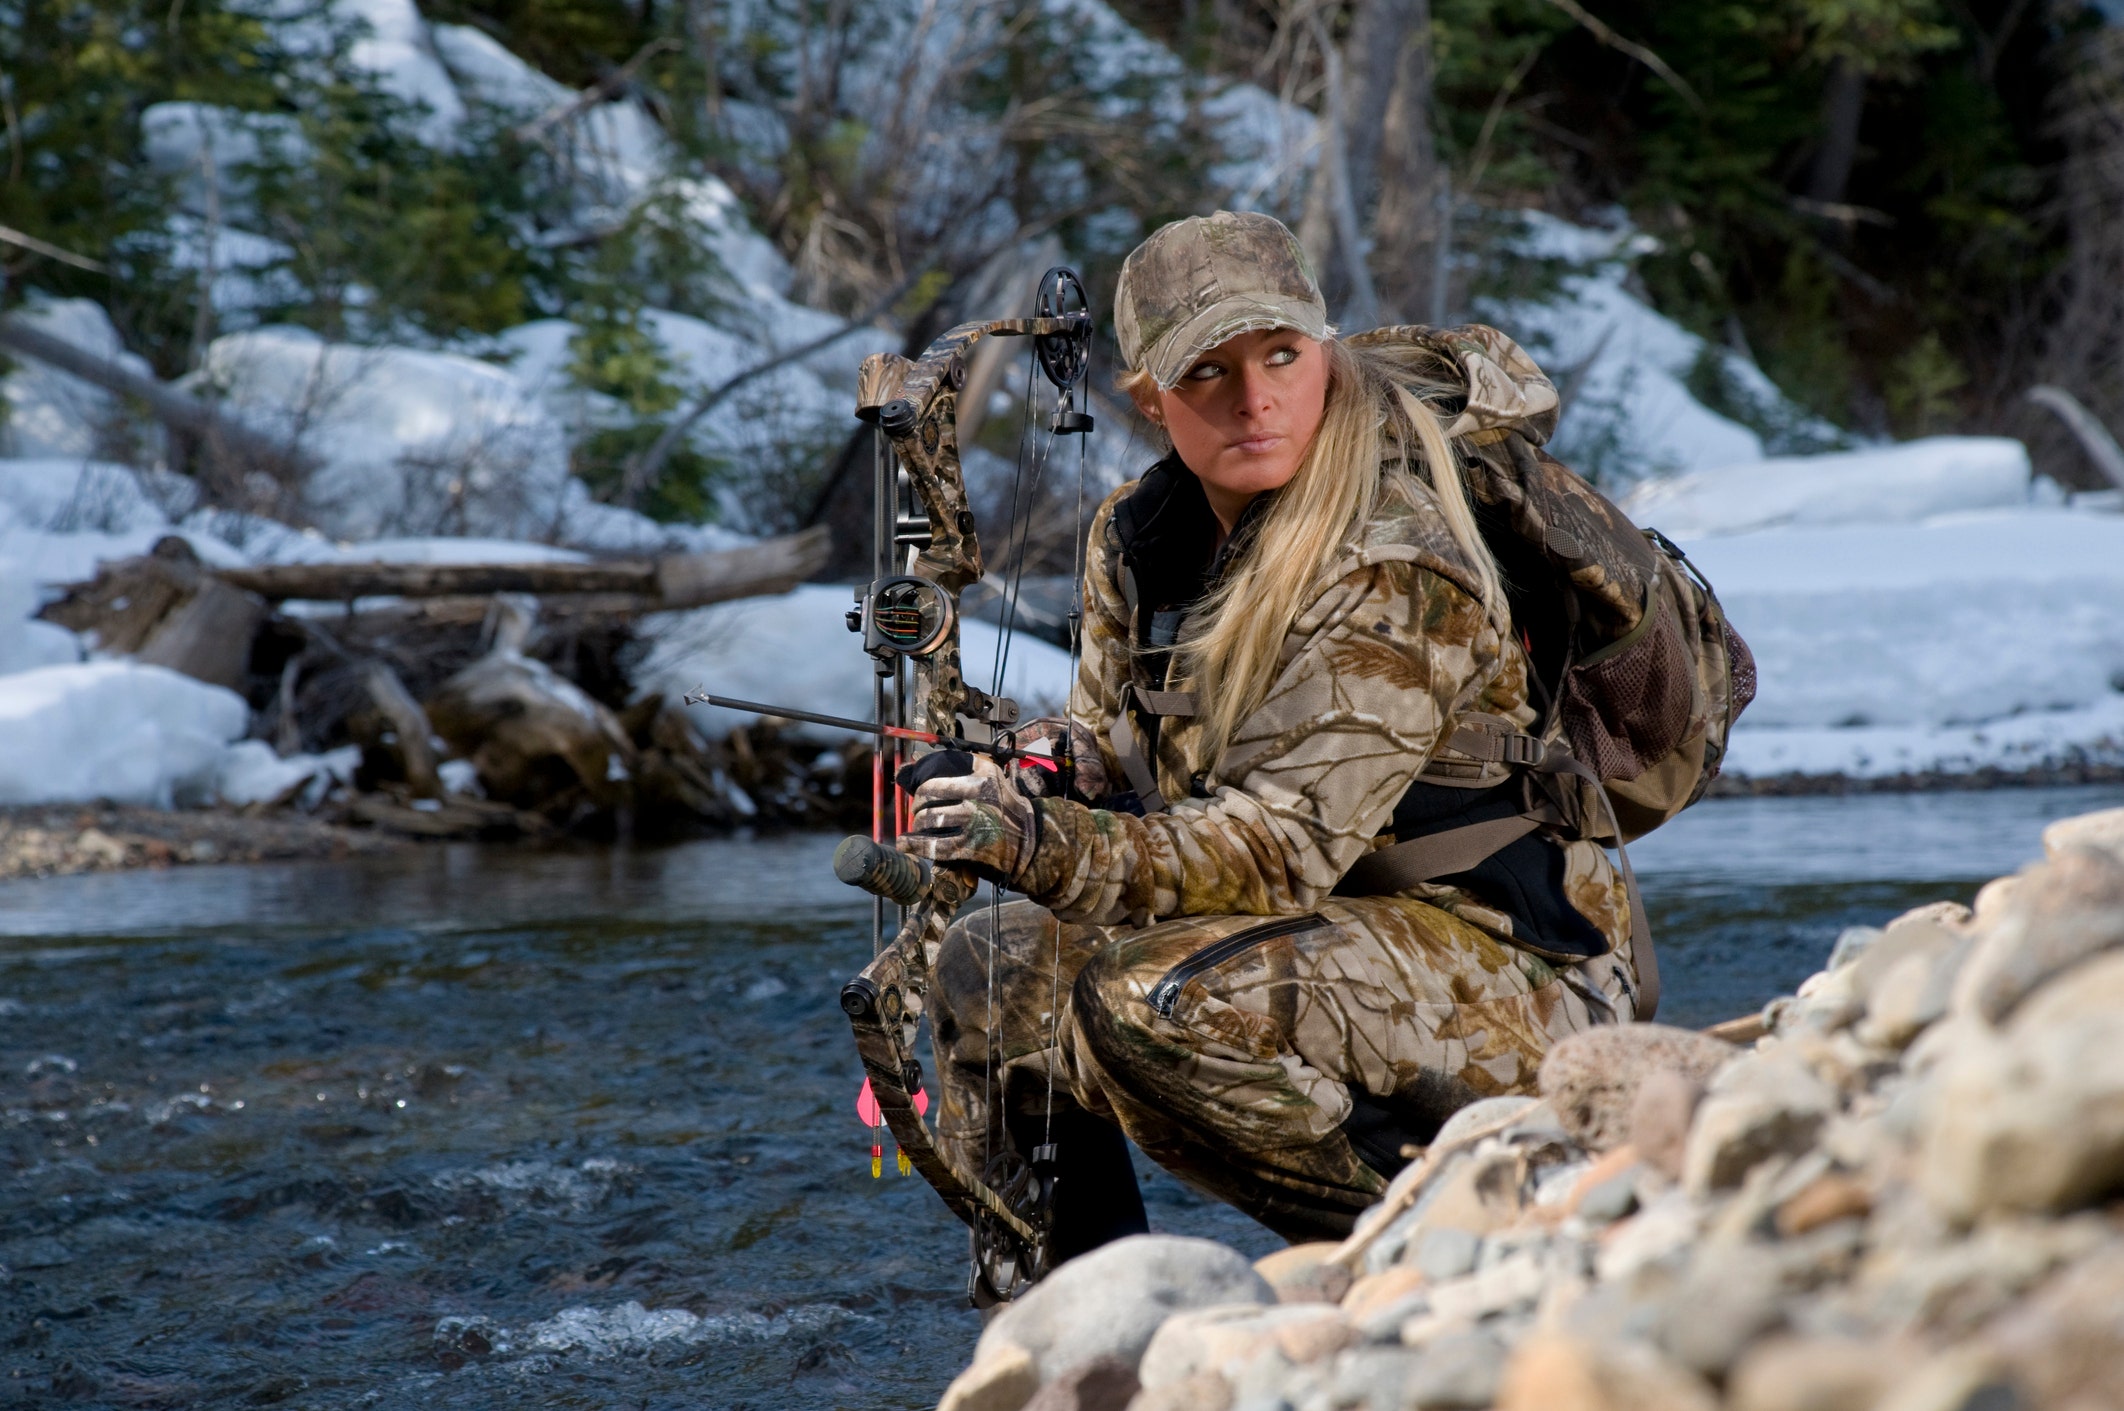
(926, 554)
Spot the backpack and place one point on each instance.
(1637, 670)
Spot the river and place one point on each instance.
(477, 1127)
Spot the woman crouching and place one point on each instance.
(1287, 620)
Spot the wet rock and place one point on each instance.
(1591, 1079)
(1447, 1253)
(1513, 1283)
(1457, 1370)
(1001, 1379)
(1660, 1117)
(1109, 1303)
(1559, 1373)
(2068, 909)
(1728, 1298)
(1302, 1273)
(1828, 1197)
(1851, 943)
(2066, 1344)
(1225, 1339)
(1610, 1200)
(1104, 1385)
(1825, 1001)
(2103, 832)
(2033, 1119)
(1382, 1290)
(1911, 986)
(1952, 1286)
(1960, 1379)
(1764, 1105)
(1314, 1339)
(1815, 1374)
(1204, 1391)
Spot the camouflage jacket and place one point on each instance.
(1393, 653)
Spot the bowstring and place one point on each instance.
(1017, 530)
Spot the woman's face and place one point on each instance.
(1242, 417)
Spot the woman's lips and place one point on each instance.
(1256, 445)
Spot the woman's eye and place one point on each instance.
(1283, 357)
(1203, 372)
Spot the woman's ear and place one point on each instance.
(1149, 401)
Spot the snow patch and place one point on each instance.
(113, 730)
(1967, 641)
(1899, 484)
(1631, 413)
(403, 441)
(796, 650)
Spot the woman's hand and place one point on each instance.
(968, 812)
(1044, 736)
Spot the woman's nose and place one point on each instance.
(1254, 397)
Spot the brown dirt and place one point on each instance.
(53, 840)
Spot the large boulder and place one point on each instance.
(1107, 1304)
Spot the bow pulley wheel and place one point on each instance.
(1063, 356)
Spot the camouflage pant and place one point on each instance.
(1277, 1063)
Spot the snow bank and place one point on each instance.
(1974, 639)
(113, 730)
(1898, 484)
(796, 650)
(403, 441)
(1631, 413)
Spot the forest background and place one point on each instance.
(1905, 212)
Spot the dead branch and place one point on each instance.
(675, 581)
(2086, 428)
(1599, 30)
(181, 412)
(642, 472)
(561, 113)
(11, 236)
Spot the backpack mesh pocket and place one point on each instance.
(1624, 712)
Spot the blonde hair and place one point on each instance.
(1374, 432)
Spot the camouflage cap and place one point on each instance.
(1199, 281)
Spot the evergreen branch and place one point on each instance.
(1598, 28)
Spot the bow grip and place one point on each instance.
(880, 870)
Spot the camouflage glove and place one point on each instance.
(969, 813)
(1044, 736)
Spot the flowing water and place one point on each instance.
(468, 1127)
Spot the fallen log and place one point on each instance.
(675, 581)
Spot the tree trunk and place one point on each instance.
(1843, 105)
(1405, 225)
(1371, 60)
(2083, 350)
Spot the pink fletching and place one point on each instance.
(870, 1114)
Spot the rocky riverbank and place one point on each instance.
(1902, 1197)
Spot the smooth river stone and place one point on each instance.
(1591, 1078)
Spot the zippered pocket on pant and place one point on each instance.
(1166, 993)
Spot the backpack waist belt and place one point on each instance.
(1400, 866)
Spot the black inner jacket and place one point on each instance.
(1168, 537)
